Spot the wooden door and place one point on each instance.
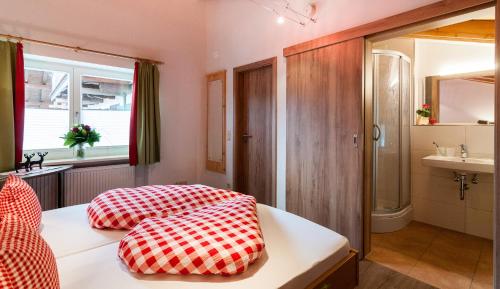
(254, 107)
(324, 164)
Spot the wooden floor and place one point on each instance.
(375, 276)
(436, 256)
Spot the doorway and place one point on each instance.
(440, 224)
(255, 130)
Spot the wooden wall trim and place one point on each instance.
(368, 148)
(496, 212)
(445, 8)
(215, 166)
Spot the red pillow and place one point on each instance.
(222, 239)
(26, 261)
(124, 208)
(17, 197)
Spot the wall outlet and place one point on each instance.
(181, 183)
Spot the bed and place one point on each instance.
(298, 254)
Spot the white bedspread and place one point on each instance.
(297, 252)
(68, 232)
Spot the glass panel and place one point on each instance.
(405, 132)
(47, 108)
(106, 106)
(387, 118)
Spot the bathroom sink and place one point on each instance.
(475, 165)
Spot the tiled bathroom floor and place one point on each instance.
(436, 256)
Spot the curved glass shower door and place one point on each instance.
(391, 105)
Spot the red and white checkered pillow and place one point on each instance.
(17, 197)
(124, 208)
(26, 261)
(222, 239)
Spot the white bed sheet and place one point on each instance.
(68, 232)
(297, 252)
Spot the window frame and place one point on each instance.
(76, 71)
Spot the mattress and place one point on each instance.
(297, 252)
(68, 232)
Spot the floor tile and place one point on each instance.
(436, 256)
(439, 277)
(483, 276)
(476, 285)
(396, 261)
(377, 276)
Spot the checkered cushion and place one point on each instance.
(222, 239)
(125, 208)
(17, 197)
(26, 261)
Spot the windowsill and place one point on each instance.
(90, 161)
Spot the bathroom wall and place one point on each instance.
(435, 195)
(402, 44)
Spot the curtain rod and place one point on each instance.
(76, 48)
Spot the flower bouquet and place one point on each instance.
(423, 114)
(80, 135)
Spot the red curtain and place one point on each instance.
(19, 104)
(133, 121)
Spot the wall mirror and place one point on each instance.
(462, 98)
(216, 122)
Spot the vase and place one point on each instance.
(80, 151)
(422, 120)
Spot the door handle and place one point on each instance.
(377, 133)
(246, 136)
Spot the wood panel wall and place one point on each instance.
(324, 174)
(496, 220)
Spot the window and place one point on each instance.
(106, 105)
(62, 93)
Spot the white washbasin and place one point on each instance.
(459, 164)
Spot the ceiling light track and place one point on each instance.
(300, 16)
(310, 18)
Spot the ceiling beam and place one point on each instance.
(470, 31)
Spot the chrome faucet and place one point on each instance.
(463, 151)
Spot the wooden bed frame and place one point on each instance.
(344, 275)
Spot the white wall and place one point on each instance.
(435, 195)
(171, 31)
(240, 32)
(402, 44)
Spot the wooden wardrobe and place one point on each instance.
(324, 163)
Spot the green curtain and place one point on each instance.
(148, 114)
(7, 78)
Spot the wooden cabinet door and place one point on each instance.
(324, 163)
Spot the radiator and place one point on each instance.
(82, 185)
(46, 190)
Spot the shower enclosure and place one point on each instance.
(391, 208)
